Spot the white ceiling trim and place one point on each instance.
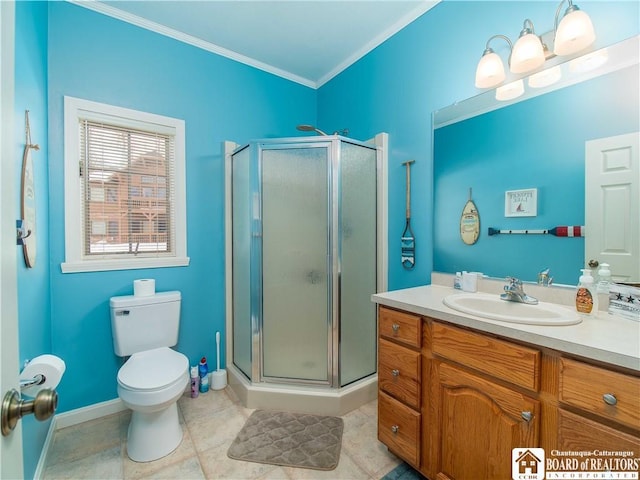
(378, 40)
(118, 14)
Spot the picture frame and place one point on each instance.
(521, 203)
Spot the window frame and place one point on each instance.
(75, 259)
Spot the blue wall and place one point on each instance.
(430, 64)
(77, 52)
(33, 283)
(98, 58)
(537, 143)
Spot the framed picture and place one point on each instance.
(521, 203)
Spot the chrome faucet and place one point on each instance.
(513, 292)
(544, 278)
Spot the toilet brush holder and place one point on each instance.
(218, 379)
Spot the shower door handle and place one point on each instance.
(314, 277)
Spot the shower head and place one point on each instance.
(310, 128)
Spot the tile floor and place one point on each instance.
(97, 449)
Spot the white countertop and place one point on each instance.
(607, 338)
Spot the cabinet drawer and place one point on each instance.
(504, 360)
(585, 386)
(399, 372)
(401, 327)
(399, 428)
(579, 434)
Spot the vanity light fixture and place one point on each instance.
(545, 77)
(589, 62)
(528, 52)
(490, 70)
(574, 32)
(510, 90)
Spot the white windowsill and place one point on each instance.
(124, 264)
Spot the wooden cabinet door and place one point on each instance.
(580, 434)
(479, 423)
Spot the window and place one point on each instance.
(122, 156)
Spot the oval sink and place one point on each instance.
(491, 306)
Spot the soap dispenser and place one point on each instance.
(604, 278)
(586, 296)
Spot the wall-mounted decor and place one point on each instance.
(470, 222)
(28, 199)
(560, 231)
(521, 203)
(408, 241)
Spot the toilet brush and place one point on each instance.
(219, 377)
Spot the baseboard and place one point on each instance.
(91, 412)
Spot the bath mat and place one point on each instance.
(403, 472)
(289, 439)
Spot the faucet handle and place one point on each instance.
(514, 281)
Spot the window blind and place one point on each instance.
(128, 189)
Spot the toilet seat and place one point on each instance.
(153, 370)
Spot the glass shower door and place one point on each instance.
(241, 232)
(295, 281)
(358, 255)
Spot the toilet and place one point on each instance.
(155, 376)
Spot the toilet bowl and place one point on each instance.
(154, 377)
(150, 384)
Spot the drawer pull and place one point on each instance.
(395, 327)
(609, 399)
(527, 416)
(395, 372)
(395, 428)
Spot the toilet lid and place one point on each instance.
(153, 369)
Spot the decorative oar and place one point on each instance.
(561, 231)
(408, 240)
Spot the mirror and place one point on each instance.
(536, 141)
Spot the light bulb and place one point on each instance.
(490, 70)
(528, 54)
(575, 32)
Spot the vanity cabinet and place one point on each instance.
(399, 383)
(597, 408)
(478, 412)
(453, 402)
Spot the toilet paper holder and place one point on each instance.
(38, 379)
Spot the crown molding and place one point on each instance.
(118, 14)
(378, 40)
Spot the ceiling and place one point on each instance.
(306, 41)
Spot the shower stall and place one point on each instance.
(304, 263)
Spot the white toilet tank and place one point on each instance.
(140, 323)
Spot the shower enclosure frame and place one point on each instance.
(260, 382)
(333, 269)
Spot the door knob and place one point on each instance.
(593, 263)
(14, 408)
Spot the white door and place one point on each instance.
(612, 204)
(11, 445)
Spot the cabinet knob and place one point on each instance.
(395, 372)
(395, 428)
(395, 327)
(527, 416)
(609, 399)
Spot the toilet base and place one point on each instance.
(153, 435)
